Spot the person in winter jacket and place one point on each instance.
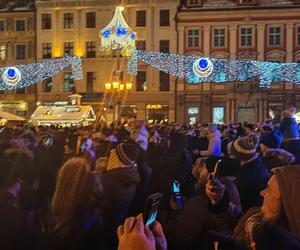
(290, 131)
(105, 141)
(252, 176)
(119, 185)
(188, 223)
(214, 145)
(280, 208)
(77, 222)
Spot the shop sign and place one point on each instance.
(13, 105)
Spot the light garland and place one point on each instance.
(222, 70)
(117, 35)
(21, 76)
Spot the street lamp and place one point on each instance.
(117, 88)
(118, 36)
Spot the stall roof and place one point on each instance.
(10, 117)
(66, 113)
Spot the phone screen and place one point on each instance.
(151, 208)
(175, 187)
(214, 174)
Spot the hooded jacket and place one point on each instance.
(288, 179)
(119, 187)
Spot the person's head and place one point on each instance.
(124, 155)
(281, 197)
(278, 158)
(10, 176)
(105, 132)
(270, 141)
(249, 128)
(244, 148)
(212, 129)
(77, 191)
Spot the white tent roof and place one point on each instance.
(63, 114)
(10, 117)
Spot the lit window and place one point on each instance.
(2, 53)
(69, 48)
(218, 115)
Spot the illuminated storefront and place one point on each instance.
(19, 108)
(157, 113)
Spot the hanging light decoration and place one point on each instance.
(117, 35)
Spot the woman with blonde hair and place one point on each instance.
(75, 207)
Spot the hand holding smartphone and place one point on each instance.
(151, 208)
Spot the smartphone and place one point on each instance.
(175, 187)
(214, 174)
(151, 208)
(48, 141)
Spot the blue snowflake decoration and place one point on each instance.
(106, 33)
(132, 36)
(203, 63)
(121, 31)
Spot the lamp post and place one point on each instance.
(116, 88)
(118, 36)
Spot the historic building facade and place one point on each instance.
(72, 27)
(265, 30)
(17, 46)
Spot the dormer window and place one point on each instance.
(194, 3)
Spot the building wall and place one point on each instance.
(234, 97)
(104, 66)
(14, 101)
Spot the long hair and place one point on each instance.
(77, 191)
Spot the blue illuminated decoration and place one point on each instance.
(132, 36)
(203, 63)
(197, 70)
(121, 31)
(11, 72)
(106, 33)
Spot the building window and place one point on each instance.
(219, 37)
(141, 45)
(246, 37)
(2, 53)
(20, 25)
(47, 52)
(193, 38)
(193, 115)
(141, 84)
(298, 35)
(68, 20)
(68, 83)
(157, 113)
(90, 49)
(91, 20)
(274, 36)
(164, 80)
(47, 84)
(46, 21)
(164, 46)
(194, 3)
(20, 52)
(90, 78)
(69, 48)
(164, 16)
(218, 115)
(2, 25)
(141, 18)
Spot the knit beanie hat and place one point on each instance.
(127, 153)
(272, 139)
(244, 148)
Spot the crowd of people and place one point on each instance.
(86, 188)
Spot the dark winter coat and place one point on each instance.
(252, 178)
(87, 235)
(289, 128)
(119, 187)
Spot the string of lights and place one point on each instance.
(196, 70)
(21, 76)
